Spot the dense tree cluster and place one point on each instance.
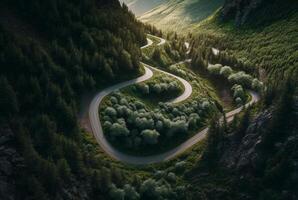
(163, 185)
(129, 123)
(239, 94)
(161, 86)
(240, 80)
(202, 53)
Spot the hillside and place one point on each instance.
(52, 52)
(139, 7)
(264, 41)
(254, 158)
(177, 15)
(207, 114)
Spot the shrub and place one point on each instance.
(193, 121)
(122, 111)
(257, 85)
(241, 78)
(215, 69)
(113, 100)
(130, 193)
(159, 125)
(144, 88)
(150, 136)
(171, 177)
(156, 88)
(148, 189)
(226, 71)
(178, 127)
(118, 130)
(143, 123)
(139, 105)
(116, 194)
(180, 166)
(164, 87)
(238, 101)
(205, 105)
(107, 118)
(123, 101)
(111, 112)
(107, 125)
(238, 92)
(174, 86)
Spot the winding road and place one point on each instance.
(137, 160)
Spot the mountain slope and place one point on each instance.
(255, 159)
(264, 40)
(139, 7)
(51, 52)
(177, 15)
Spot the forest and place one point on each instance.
(54, 52)
(81, 45)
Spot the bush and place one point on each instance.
(130, 193)
(241, 78)
(238, 92)
(226, 71)
(113, 100)
(238, 101)
(257, 85)
(116, 194)
(193, 121)
(215, 69)
(107, 125)
(159, 125)
(122, 111)
(123, 101)
(180, 166)
(144, 88)
(171, 177)
(178, 127)
(156, 88)
(111, 112)
(205, 105)
(148, 189)
(117, 130)
(139, 105)
(150, 136)
(143, 123)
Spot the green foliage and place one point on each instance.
(226, 71)
(241, 78)
(70, 47)
(239, 94)
(150, 136)
(215, 141)
(139, 128)
(215, 69)
(117, 130)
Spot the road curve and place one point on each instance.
(137, 160)
(149, 43)
(187, 87)
(162, 41)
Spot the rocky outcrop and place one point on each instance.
(240, 10)
(244, 156)
(257, 12)
(10, 163)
